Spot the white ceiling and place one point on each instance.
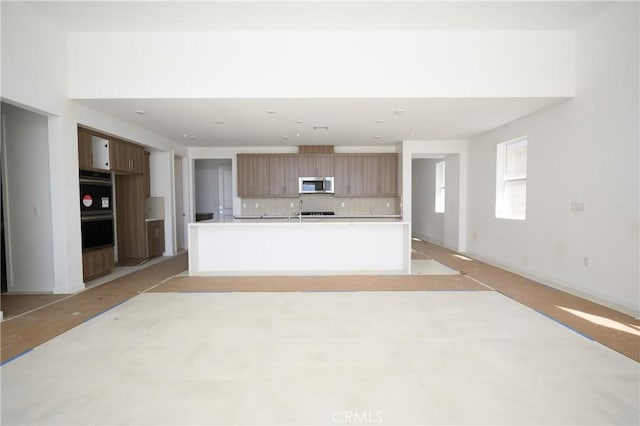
(349, 121)
(246, 122)
(318, 15)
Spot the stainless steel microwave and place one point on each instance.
(315, 185)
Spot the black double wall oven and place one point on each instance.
(96, 210)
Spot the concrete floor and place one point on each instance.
(459, 357)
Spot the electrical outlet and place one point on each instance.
(342, 204)
(586, 261)
(290, 204)
(36, 210)
(577, 207)
(388, 204)
(475, 236)
(257, 205)
(244, 205)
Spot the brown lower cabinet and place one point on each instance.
(155, 238)
(96, 263)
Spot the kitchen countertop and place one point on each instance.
(305, 219)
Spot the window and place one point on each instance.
(440, 187)
(511, 179)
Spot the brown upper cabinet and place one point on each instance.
(100, 152)
(315, 165)
(253, 175)
(283, 175)
(349, 175)
(381, 175)
(356, 175)
(85, 149)
(126, 157)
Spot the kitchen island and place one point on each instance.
(289, 246)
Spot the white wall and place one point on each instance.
(27, 201)
(162, 185)
(34, 52)
(426, 223)
(451, 202)
(34, 75)
(226, 64)
(582, 150)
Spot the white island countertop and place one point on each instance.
(325, 245)
(267, 219)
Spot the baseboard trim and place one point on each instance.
(567, 288)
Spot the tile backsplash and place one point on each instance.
(154, 208)
(321, 202)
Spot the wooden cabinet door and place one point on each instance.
(291, 175)
(370, 174)
(137, 161)
(132, 238)
(96, 263)
(155, 238)
(146, 175)
(276, 175)
(349, 175)
(381, 175)
(261, 175)
(307, 166)
(119, 156)
(316, 165)
(388, 175)
(324, 166)
(341, 175)
(356, 175)
(85, 150)
(253, 175)
(126, 157)
(283, 175)
(245, 175)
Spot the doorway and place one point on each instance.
(435, 193)
(212, 188)
(225, 194)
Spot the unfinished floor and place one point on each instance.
(455, 349)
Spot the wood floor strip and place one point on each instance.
(321, 283)
(609, 327)
(38, 326)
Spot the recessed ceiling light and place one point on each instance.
(400, 112)
(192, 138)
(298, 134)
(140, 112)
(377, 137)
(219, 122)
(271, 111)
(299, 122)
(285, 137)
(379, 121)
(320, 127)
(185, 136)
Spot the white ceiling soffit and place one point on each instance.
(341, 122)
(318, 15)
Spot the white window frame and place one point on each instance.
(502, 179)
(440, 187)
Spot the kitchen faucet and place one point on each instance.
(300, 211)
